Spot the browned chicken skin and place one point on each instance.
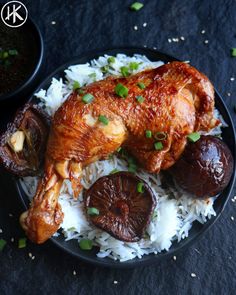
(178, 101)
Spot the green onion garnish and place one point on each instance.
(92, 76)
(158, 146)
(140, 187)
(76, 85)
(124, 71)
(193, 137)
(5, 54)
(141, 85)
(140, 98)
(2, 244)
(233, 52)
(105, 69)
(71, 229)
(111, 59)
(119, 149)
(148, 133)
(103, 119)
(160, 136)
(92, 211)
(22, 243)
(80, 91)
(86, 244)
(114, 171)
(87, 98)
(13, 52)
(121, 90)
(133, 66)
(136, 6)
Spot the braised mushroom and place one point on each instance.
(205, 167)
(22, 146)
(121, 204)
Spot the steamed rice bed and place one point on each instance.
(175, 211)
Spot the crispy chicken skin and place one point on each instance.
(178, 101)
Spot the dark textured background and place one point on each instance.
(85, 25)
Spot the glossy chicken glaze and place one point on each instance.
(178, 101)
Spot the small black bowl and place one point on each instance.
(32, 35)
(198, 229)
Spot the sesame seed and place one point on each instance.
(232, 79)
(154, 48)
(144, 46)
(12, 240)
(182, 38)
(10, 215)
(187, 61)
(174, 258)
(228, 93)
(203, 31)
(53, 22)
(135, 28)
(1, 231)
(74, 272)
(30, 255)
(193, 275)
(33, 257)
(115, 282)
(233, 200)
(169, 40)
(144, 25)
(206, 41)
(232, 218)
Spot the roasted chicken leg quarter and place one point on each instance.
(178, 100)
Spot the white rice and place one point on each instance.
(175, 211)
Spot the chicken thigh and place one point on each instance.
(177, 100)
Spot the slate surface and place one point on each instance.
(85, 25)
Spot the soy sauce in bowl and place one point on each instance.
(21, 52)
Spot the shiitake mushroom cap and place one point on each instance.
(123, 211)
(35, 124)
(205, 167)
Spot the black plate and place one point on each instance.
(198, 229)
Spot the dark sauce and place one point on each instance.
(19, 67)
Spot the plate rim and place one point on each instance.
(151, 258)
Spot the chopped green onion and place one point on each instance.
(136, 6)
(87, 98)
(160, 136)
(148, 133)
(233, 52)
(105, 69)
(22, 243)
(86, 244)
(13, 52)
(7, 63)
(121, 90)
(124, 71)
(114, 171)
(193, 137)
(111, 59)
(158, 146)
(141, 85)
(76, 85)
(2, 244)
(92, 211)
(140, 98)
(119, 149)
(103, 119)
(71, 229)
(92, 76)
(140, 187)
(5, 54)
(133, 66)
